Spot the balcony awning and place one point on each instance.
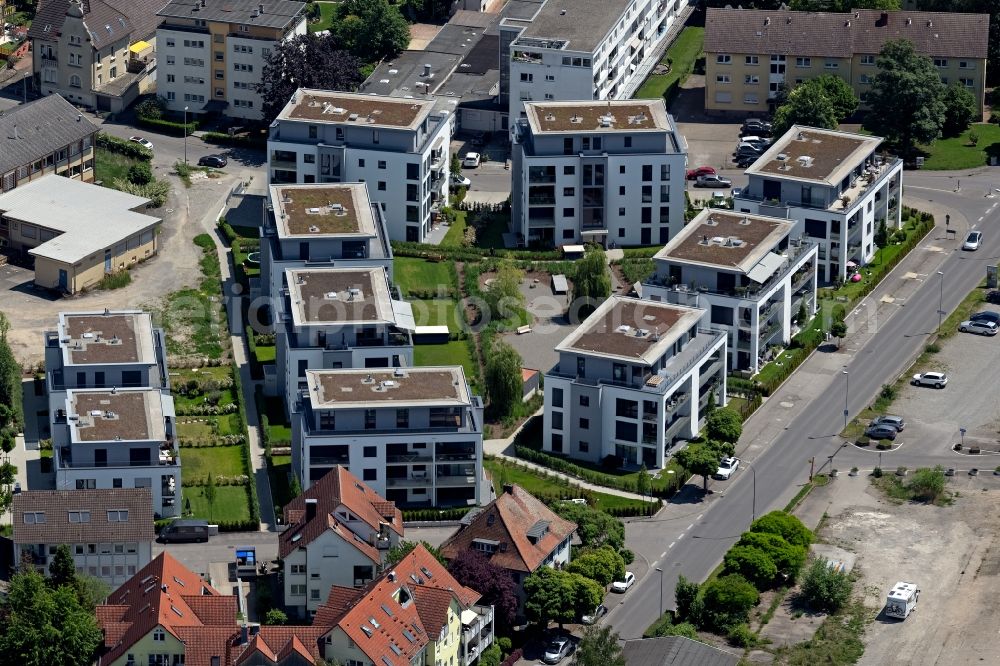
(765, 267)
(403, 314)
(140, 46)
(469, 617)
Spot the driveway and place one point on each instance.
(550, 325)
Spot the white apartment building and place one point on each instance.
(398, 146)
(835, 185)
(338, 532)
(632, 381)
(581, 50)
(752, 274)
(213, 52)
(605, 172)
(413, 435)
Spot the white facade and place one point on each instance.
(114, 562)
(330, 559)
(584, 49)
(399, 147)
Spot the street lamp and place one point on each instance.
(25, 81)
(661, 590)
(185, 135)
(847, 393)
(753, 502)
(941, 301)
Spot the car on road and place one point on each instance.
(145, 143)
(624, 584)
(472, 160)
(896, 422)
(881, 432)
(557, 649)
(458, 180)
(216, 161)
(596, 615)
(936, 379)
(973, 241)
(713, 181)
(692, 174)
(978, 327)
(727, 467)
(987, 315)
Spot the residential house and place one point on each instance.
(611, 173)
(100, 54)
(338, 532)
(837, 186)
(749, 271)
(632, 381)
(397, 145)
(45, 136)
(109, 532)
(517, 532)
(213, 52)
(750, 54)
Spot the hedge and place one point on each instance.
(113, 144)
(256, 371)
(247, 463)
(224, 139)
(514, 657)
(168, 127)
(265, 423)
(426, 515)
(405, 249)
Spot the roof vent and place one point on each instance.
(352, 117)
(331, 296)
(788, 20)
(800, 137)
(767, 20)
(847, 23)
(562, 12)
(313, 229)
(745, 221)
(606, 120)
(576, 119)
(804, 160)
(337, 209)
(930, 23)
(427, 70)
(909, 21)
(711, 222)
(782, 157)
(550, 117)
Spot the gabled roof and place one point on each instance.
(278, 643)
(42, 126)
(337, 489)
(506, 522)
(338, 602)
(420, 568)
(64, 521)
(107, 21)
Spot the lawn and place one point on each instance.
(497, 224)
(327, 12)
(278, 469)
(265, 353)
(681, 56)
(437, 312)
(218, 373)
(232, 503)
(198, 463)
(456, 232)
(419, 275)
(279, 431)
(451, 353)
(959, 153)
(194, 319)
(108, 166)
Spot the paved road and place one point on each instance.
(693, 534)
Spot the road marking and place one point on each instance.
(980, 218)
(689, 527)
(663, 554)
(671, 545)
(699, 516)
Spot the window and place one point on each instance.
(569, 170)
(159, 635)
(831, 64)
(299, 569)
(74, 81)
(864, 80)
(219, 74)
(412, 170)
(248, 104)
(171, 43)
(557, 397)
(527, 78)
(194, 62)
(34, 517)
(647, 173)
(298, 590)
(371, 451)
(568, 212)
(750, 99)
(86, 484)
(242, 48)
(584, 423)
(118, 516)
(621, 211)
(402, 418)
(628, 142)
(583, 447)
(965, 64)
(170, 78)
(585, 401)
(751, 79)
(369, 419)
(867, 60)
(751, 60)
(171, 60)
(723, 59)
(116, 483)
(803, 62)
(722, 79)
(381, 186)
(370, 474)
(241, 67)
(79, 516)
(940, 62)
(968, 83)
(581, 366)
(569, 191)
(194, 43)
(381, 164)
(557, 420)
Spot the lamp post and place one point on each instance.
(24, 80)
(941, 301)
(185, 135)
(753, 502)
(847, 394)
(658, 569)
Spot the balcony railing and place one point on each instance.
(329, 460)
(409, 482)
(769, 332)
(408, 458)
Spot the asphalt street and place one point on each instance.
(694, 536)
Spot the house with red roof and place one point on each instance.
(414, 613)
(338, 532)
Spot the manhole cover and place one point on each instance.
(170, 210)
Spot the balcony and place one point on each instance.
(414, 480)
(442, 458)
(477, 632)
(768, 332)
(64, 460)
(675, 427)
(872, 176)
(324, 461)
(707, 373)
(542, 200)
(408, 458)
(454, 480)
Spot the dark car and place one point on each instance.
(993, 297)
(881, 432)
(987, 315)
(215, 161)
(744, 161)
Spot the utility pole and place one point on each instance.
(812, 467)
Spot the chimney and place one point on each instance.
(427, 70)
(508, 488)
(244, 631)
(260, 8)
(202, 3)
(310, 509)
(16, 135)
(79, 117)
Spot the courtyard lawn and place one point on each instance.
(681, 55)
(279, 431)
(108, 166)
(437, 312)
(419, 275)
(266, 353)
(278, 470)
(456, 232)
(232, 503)
(327, 12)
(959, 153)
(198, 462)
(451, 353)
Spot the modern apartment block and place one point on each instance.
(96, 53)
(413, 435)
(398, 146)
(581, 50)
(632, 381)
(605, 172)
(109, 532)
(837, 187)
(750, 272)
(45, 136)
(213, 52)
(751, 53)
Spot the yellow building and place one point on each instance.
(750, 53)
(76, 232)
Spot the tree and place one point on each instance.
(45, 627)
(686, 596)
(700, 460)
(491, 656)
(603, 565)
(825, 588)
(724, 425)
(62, 569)
(905, 98)
(475, 570)
(788, 558)
(838, 329)
(151, 108)
(371, 29)
(643, 482)
(881, 238)
(504, 296)
(305, 61)
(404, 548)
(594, 527)
(807, 105)
(784, 525)
(559, 596)
(210, 494)
(753, 564)
(803, 314)
(591, 280)
(504, 383)
(728, 600)
(927, 485)
(599, 646)
(839, 93)
(960, 108)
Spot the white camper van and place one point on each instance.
(902, 600)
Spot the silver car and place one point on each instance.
(980, 327)
(557, 649)
(896, 422)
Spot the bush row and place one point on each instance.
(404, 249)
(191, 362)
(113, 144)
(206, 410)
(207, 442)
(224, 139)
(168, 127)
(423, 515)
(256, 370)
(220, 480)
(513, 658)
(265, 423)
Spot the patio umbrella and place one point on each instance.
(851, 264)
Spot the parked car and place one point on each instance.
(881, 432)
(185, 529)
(471, 160)
(712, 181)
(145, 143)
(458, 180)
(217, 161)
(692, 174)
(987, 315)
(727, 467)
(972, 241)
(756, 126)
(936, 379)
(993, 297)
(744, 161)
(748, 151)
(624, 584)
(594, 617)
(896, 422)
(558, 648)
(978, 327)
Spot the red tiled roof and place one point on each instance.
(338, 601)
(338, 488)
(282, 641)
(506, 520)
(203, 643)
(419, 562)
(432, 607)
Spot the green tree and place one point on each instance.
(842, 5)
(824, 588)
(62, 569)
(91, 590)
(643, 482)
(591, 280)
(594, 527)
(960, 108)
(753, 564)
(151, 108)
(558, 596)
(210, 493)
(599, 646)
(371, 29)
(140, 173)
(806, 105)
(881, 234)
(803, 315)
(788, 558)
(403, 548)
(728, 600)
(905, 99)
(504, 383)
(4, 327)
(45, 627)
(455, 165)
(603, 565)
(838, 329)
(700, 460)
(504, 296)
(276, 616)
(685, 597)
(927, 485)
(839, 94)
(491, 656)
(784, 525)
(724, 425)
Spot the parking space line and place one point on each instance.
(671, 545)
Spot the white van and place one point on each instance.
(902, 600)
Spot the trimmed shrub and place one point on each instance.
(167, 126)
(124, 147)
(140, 174)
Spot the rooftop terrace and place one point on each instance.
(575, 117)
(427, 386)
(323, 210)
(105, 338)
(726, 239)
(818, 155)
(339, 296)
(118, 414)
(327, 106)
